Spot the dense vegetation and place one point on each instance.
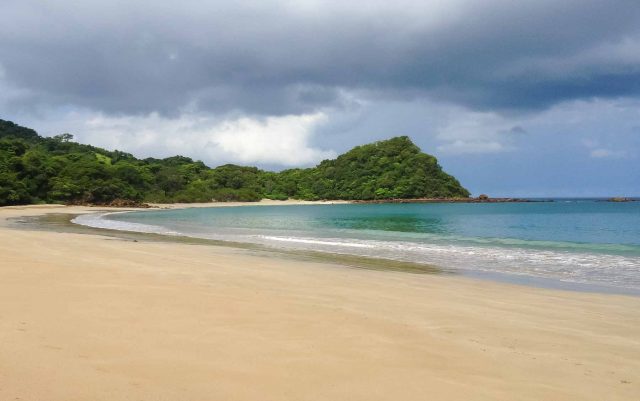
(35, 169)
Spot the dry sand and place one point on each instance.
(87, 317)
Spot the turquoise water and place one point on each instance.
(570, 241)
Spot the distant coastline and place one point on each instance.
(622, 199)
(482, 199)
(121, 203)
(454, 200)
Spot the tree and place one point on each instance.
(37, 169)
(66, 137)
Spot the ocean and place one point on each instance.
(583, 244)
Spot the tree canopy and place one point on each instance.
(35, 169)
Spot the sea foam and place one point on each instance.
(99, 220)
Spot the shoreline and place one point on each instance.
(377, 262)
(86, 316)
(62, 223)
(348, 260)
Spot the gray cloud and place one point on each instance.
(276, 58)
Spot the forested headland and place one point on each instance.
(36, 169)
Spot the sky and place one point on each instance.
(526, 98)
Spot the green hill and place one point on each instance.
(35, 169)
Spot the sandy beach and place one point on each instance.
(91, 317)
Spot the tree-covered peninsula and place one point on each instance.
(36, 169)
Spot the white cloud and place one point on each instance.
(283, 140)
(469, 147)
(602, 153)
(599, 151)
(277, 140)
(599, 125)
(467, 132)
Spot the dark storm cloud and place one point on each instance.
(287, 58)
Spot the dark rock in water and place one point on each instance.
(483, 197)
